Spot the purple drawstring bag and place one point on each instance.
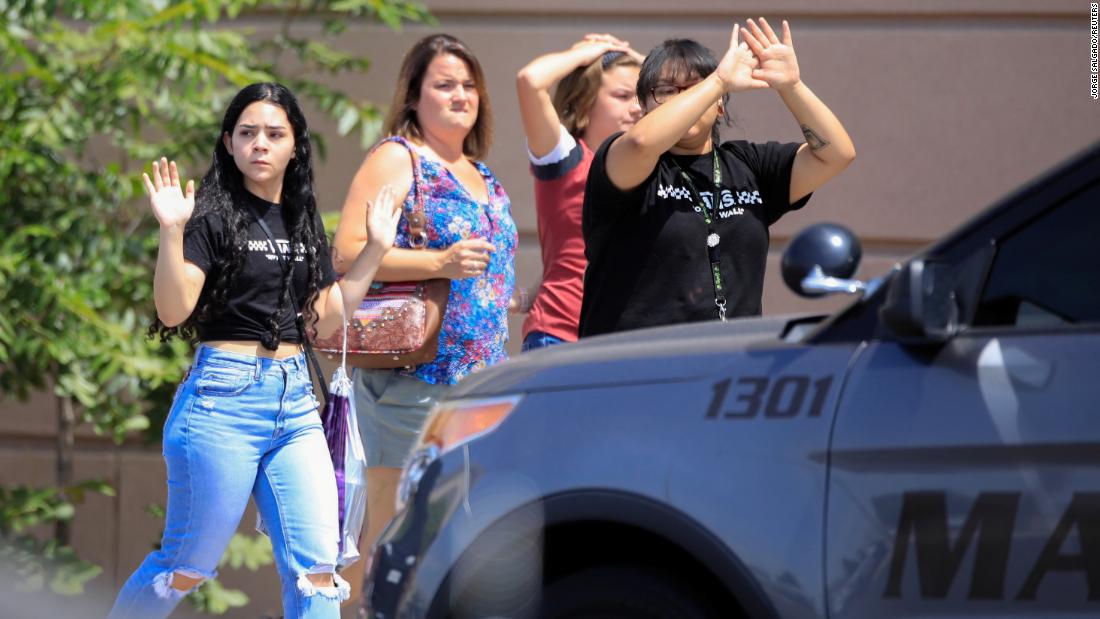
(349, 462)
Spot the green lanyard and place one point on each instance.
(713, 253)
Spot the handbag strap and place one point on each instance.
(313, 358)
(299, 320)
(418, 221)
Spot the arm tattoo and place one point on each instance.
(815, 141)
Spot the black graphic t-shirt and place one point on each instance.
(254, 294)
(648, 263)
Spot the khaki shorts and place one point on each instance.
(391, 410)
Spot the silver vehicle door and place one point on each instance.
(965, 474)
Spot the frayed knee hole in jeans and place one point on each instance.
(177, 583)
(315, 582)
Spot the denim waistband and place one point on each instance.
(206, 353)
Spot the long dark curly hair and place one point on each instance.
(222, 193)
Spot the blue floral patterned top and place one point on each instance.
(475, 325)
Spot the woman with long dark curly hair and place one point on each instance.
(243, 266)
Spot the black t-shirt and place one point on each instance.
(648, 263)
(254, 293)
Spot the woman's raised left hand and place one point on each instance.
(778, 64)
(735, 69)
(382, 217)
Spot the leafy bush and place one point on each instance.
(90, 92)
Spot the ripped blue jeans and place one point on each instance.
(244, 426)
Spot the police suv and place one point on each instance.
(930, 450)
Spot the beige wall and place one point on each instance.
(951, 104)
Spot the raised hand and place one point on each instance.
(619, 45)
(737, 65)
(778, 64)
(382, 217)
(593, 46)
(606, 37)
(172, 205)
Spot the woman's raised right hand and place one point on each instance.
(172, 205)
(610, 43)
(593, 46)
(466, 258)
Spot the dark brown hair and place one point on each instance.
(684, 58)
(576, 92)
(401, 119)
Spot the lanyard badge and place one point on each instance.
(713, 253)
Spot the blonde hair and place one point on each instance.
(575, 94)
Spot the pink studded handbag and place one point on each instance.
(397, 324)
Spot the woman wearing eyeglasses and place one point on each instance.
(595, 95)
(676, 224)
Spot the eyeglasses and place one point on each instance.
(664, 92)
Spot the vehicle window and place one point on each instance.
(1047, 274)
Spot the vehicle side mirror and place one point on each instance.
(920, 302)
(820, 260)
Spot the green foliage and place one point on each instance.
(244, 551)
(214, 598)
(38, 564)
(330, 220)
(90, 92)
(248, 551)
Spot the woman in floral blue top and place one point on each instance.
(475, 327)
(440, 115)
